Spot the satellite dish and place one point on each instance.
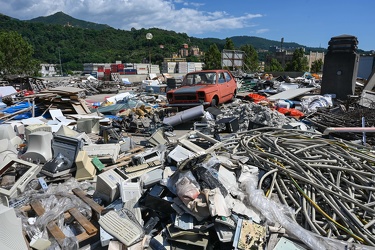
(149, 36)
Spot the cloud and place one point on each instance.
(261, 31)
(125, 14)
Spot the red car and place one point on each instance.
(206, 87)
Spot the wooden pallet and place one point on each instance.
(71, 214)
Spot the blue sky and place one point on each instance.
(307, 22)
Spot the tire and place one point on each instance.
(234, 95)
(214, 102)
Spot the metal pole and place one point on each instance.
(60, 63)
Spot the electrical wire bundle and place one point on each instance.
(329, 183)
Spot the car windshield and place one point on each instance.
(200, 78)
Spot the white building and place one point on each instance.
(48, 70)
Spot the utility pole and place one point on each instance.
(149, 37)
(60, 63)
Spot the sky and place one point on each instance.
(310, 23)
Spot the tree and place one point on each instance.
(316, 66)
(229, 45)
(16, 55)
(212, 58)
(299, 62)
(251, 57)
(274, 66)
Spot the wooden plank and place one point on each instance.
(83, 221)
(51, 226)
(79, 109)
(84, 106)
(83, 236)
(37, 207)
(56, 232)
(82, 195)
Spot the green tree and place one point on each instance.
(274, 66)
(299, 62)
(229, 44)
(251, 57)
(316, 66)
(16, 55)
(212, 58)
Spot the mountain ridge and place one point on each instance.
(62, 18)
(76, 44)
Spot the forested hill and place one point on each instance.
(64, 19)
(80, 42)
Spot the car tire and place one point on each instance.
(214, 102)
(234, 95)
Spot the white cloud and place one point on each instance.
(261, 31)
(125, 14)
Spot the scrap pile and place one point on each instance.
(68, 99)
(325, 181)
(88, 84)
(245, 176)
(342, 117)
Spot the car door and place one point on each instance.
(224, 80)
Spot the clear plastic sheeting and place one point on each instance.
(275, 212)
(56, 200)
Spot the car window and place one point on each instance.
(200, 78)
(227, 76)
(222, 78)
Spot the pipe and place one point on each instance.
(348, 129)
(184, 116)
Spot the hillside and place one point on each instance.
(63, 19)
(82, 41)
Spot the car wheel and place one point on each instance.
(214, 102)
(234, 95)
